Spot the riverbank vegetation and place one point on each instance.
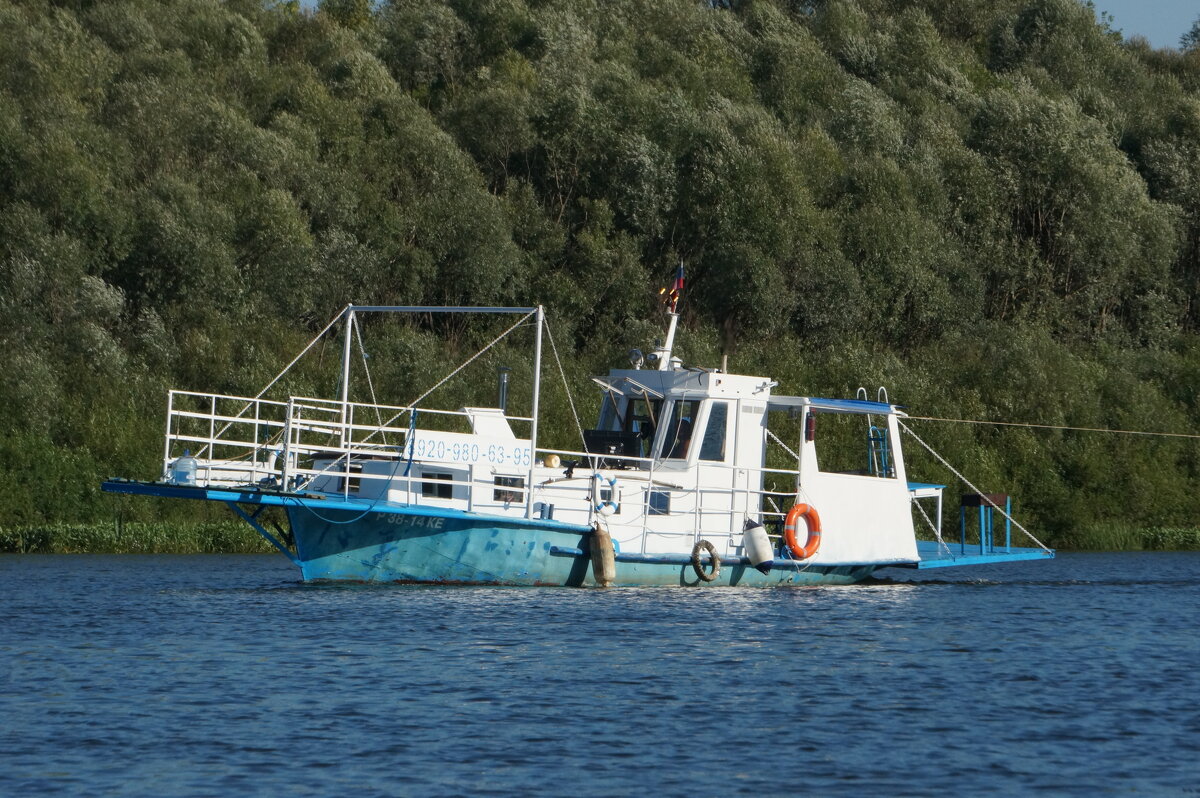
(990, 208)
(137, 537)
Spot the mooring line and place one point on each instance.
(1057, 426)
(983, 496)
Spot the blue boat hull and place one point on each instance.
(420, 546)
(340, 539)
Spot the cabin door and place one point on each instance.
(709, 453)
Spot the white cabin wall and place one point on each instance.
(750, 457)
(897, 452)
(863, 518)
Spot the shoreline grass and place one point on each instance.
(153, 537)
(1127, 537)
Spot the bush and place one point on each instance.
(231, 537)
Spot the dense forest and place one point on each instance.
(990, 207)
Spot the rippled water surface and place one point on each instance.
(218, 675)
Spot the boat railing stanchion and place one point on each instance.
(1008, 524)
(212, 425)
(167, 439)
(984, 531)
(285, 473)
(533, 424)
(349, 312)
(962, 520)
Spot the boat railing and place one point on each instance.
(301, 443)
(361, 450)
(746, 493)
(225, 434)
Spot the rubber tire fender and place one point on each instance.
(712, 557)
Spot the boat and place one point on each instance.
(689, 476)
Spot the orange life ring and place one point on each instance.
(812, 521)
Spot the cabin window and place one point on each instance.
(509, 489)
(642, 416)
(678, 439)
(437, 485)
(853, 443)
(712, 447)
(610, 414)
(659, 502)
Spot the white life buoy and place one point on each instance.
(609, 506)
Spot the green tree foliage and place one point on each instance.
(991, 207)
(1191, 39)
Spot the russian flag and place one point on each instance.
(672, 296)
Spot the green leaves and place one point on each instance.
(992, 206)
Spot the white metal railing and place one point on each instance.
(238, 441)
(329, 447)
(748, 499)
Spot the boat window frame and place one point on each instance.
(673, 423)
(654, 407)
(819, 444)
(709, 405)
(436, 483)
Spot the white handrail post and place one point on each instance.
(287, 446)
(537, 389)
(346, 368)
(257, 435)
(211, 446)
(167, 440)
(646, 502)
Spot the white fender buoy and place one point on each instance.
(604, 559)
(758, 546)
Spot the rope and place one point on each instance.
(364, 513)
(967, 482)
(786, 448)
(359, 517)
(468, 362)
(566, 387)
(366, 370)
(378, 417)
(1058, 427)
(412, 405)
(278, 377)
(296, 359)
(936, 532)
(411, 408)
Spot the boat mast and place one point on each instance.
(346, 371)
(664, 352)
(671, 297)
(537, 389)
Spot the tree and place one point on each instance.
(1191, 40)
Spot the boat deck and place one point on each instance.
(936, 555)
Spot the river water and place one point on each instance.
(224, 675)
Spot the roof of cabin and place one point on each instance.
(722, 385)
(831, 405)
